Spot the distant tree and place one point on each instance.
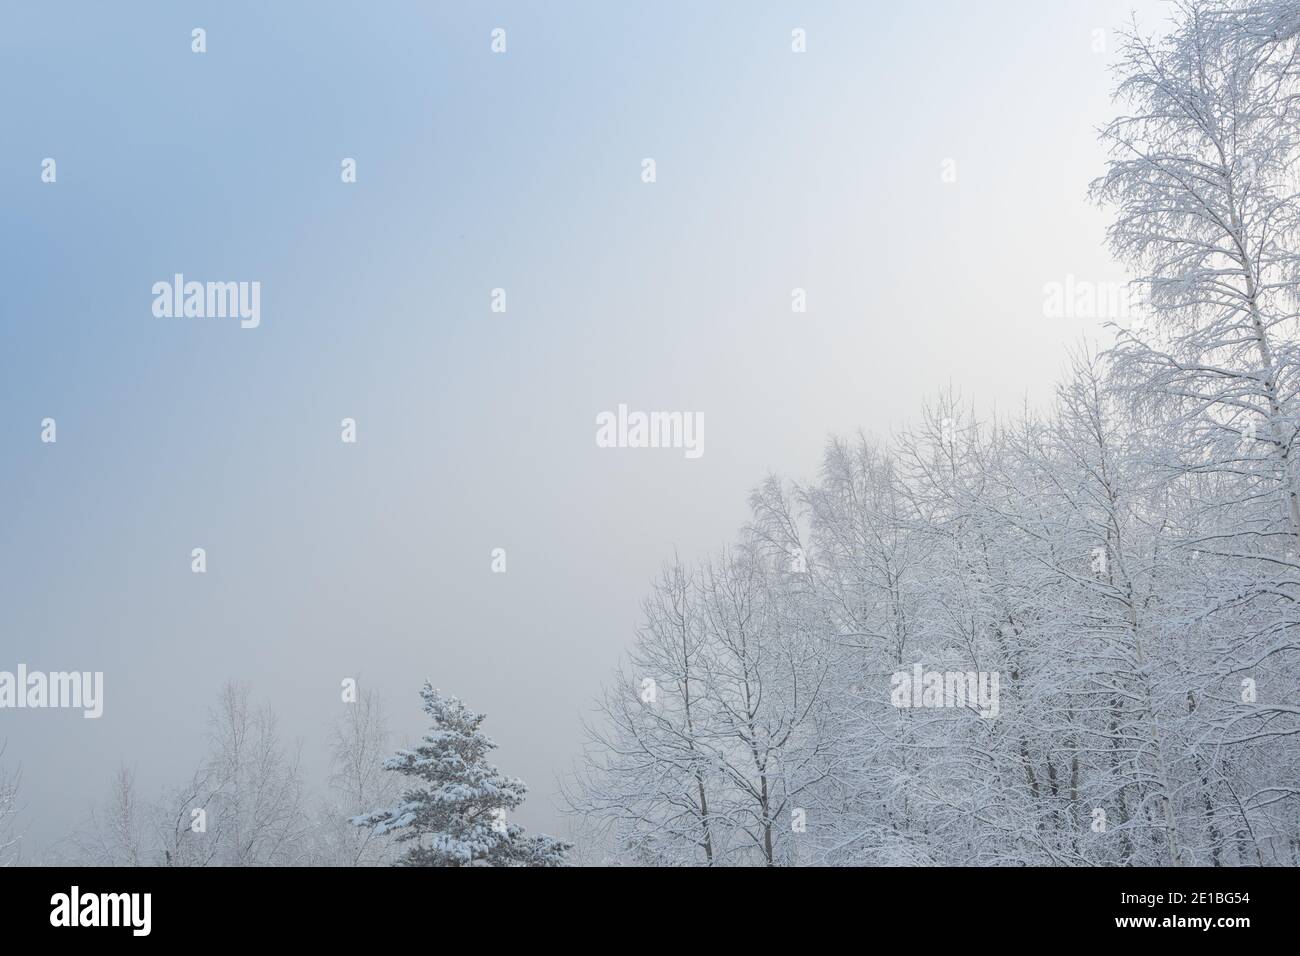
(116, 833)
(255, 809)
(242, 806)
(9, 836)
(357, 781)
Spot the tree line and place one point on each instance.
(1125, 561)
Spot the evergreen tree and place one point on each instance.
(458, 816)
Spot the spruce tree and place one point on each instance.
(456, 815)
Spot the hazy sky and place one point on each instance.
(775, 170)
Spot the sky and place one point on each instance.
(920, 171)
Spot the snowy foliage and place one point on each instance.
(1126, 561)
(458, 817)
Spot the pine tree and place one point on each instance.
(459, 817)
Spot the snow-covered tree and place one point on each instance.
(254, 808)
(118, 832)
(1147, 670)
(357, 781)
(1203, 181)
(457, 814)
(707, 739)
(243, 805)
(9, 836)
(649, 773)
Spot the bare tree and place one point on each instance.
(256, 799)
(359, 744)
(1202, 180)
(117, 833)
(242, 806)
(10, 838)
(647, 773)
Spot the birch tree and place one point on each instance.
(358, 780)
(649, 772)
